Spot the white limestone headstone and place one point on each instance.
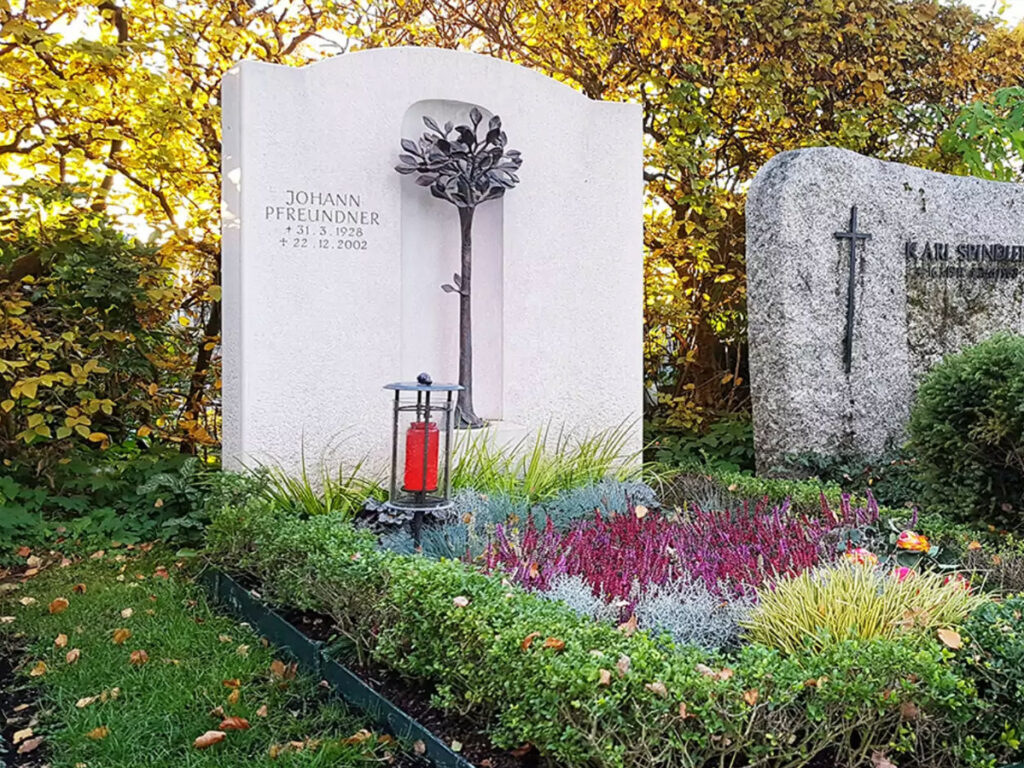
(943, 269)
(333, 262)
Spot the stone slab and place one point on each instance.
(944, 269)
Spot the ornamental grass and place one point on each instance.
(820, 607)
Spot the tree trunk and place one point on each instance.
(465, 415)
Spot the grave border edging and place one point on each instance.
(310, 656)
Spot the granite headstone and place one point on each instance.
(938, 265)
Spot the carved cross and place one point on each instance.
(854, 237)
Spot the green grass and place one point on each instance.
(165, 703)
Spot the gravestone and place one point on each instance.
(862, 275)
(333, 263)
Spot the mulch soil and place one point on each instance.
(18, 710)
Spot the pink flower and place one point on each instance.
(861, 556)
(913, 542)
(902, 572)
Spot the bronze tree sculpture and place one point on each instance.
(465, 169)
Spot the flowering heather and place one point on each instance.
(728, 551)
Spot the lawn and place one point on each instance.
(122, 662)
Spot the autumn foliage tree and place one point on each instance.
(119, 100)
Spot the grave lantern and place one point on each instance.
(421, 447)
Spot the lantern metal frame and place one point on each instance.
(427, 404)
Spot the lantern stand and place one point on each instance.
(426, 478)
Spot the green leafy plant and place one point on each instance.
(967, 430)
(994, 658)
(823, 606)
(890, 477)
(725, 444)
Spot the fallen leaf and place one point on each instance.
(30, 746)
(461, 601)
(604, 677)
(658, 688)
(30, 572)
(97, 554)
(34, 562)
(208, 739)
(628, 627)
(21, 707)
(419, 747)
(85, 701)
(751, 696)
(224, 638)
(161, 572)
(358, 737)
(234, 696)
(98, 733)
(38, 669)
(456, 746)
(974, 545)
(127, 613)
(6, 619)
(262, 711)
(234, 724)
(554, 644)
(879, 760)
(242, 650)
(528, 640)
(217, 712)
(20, 736)
(60, 641)
(683, 713)
(909, 710)
(236, 683)
(623, 665)
(72, 656)
(951, 639)
(724, 674)
(138, 658)
(27, 601)
(120, 635)
(23, 552)
(640, 511)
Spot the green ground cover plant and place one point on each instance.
(128, 662)
(582, 692)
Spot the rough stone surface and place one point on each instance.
(317, 321)
(944, 269)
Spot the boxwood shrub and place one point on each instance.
(967, 432)
(586, 694)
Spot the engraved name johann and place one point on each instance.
(971, 261)
(323, 220)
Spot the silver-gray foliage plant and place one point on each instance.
(692, 614)
(577, 594)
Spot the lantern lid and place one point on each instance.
(423, 383)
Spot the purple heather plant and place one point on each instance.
(729, 552)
